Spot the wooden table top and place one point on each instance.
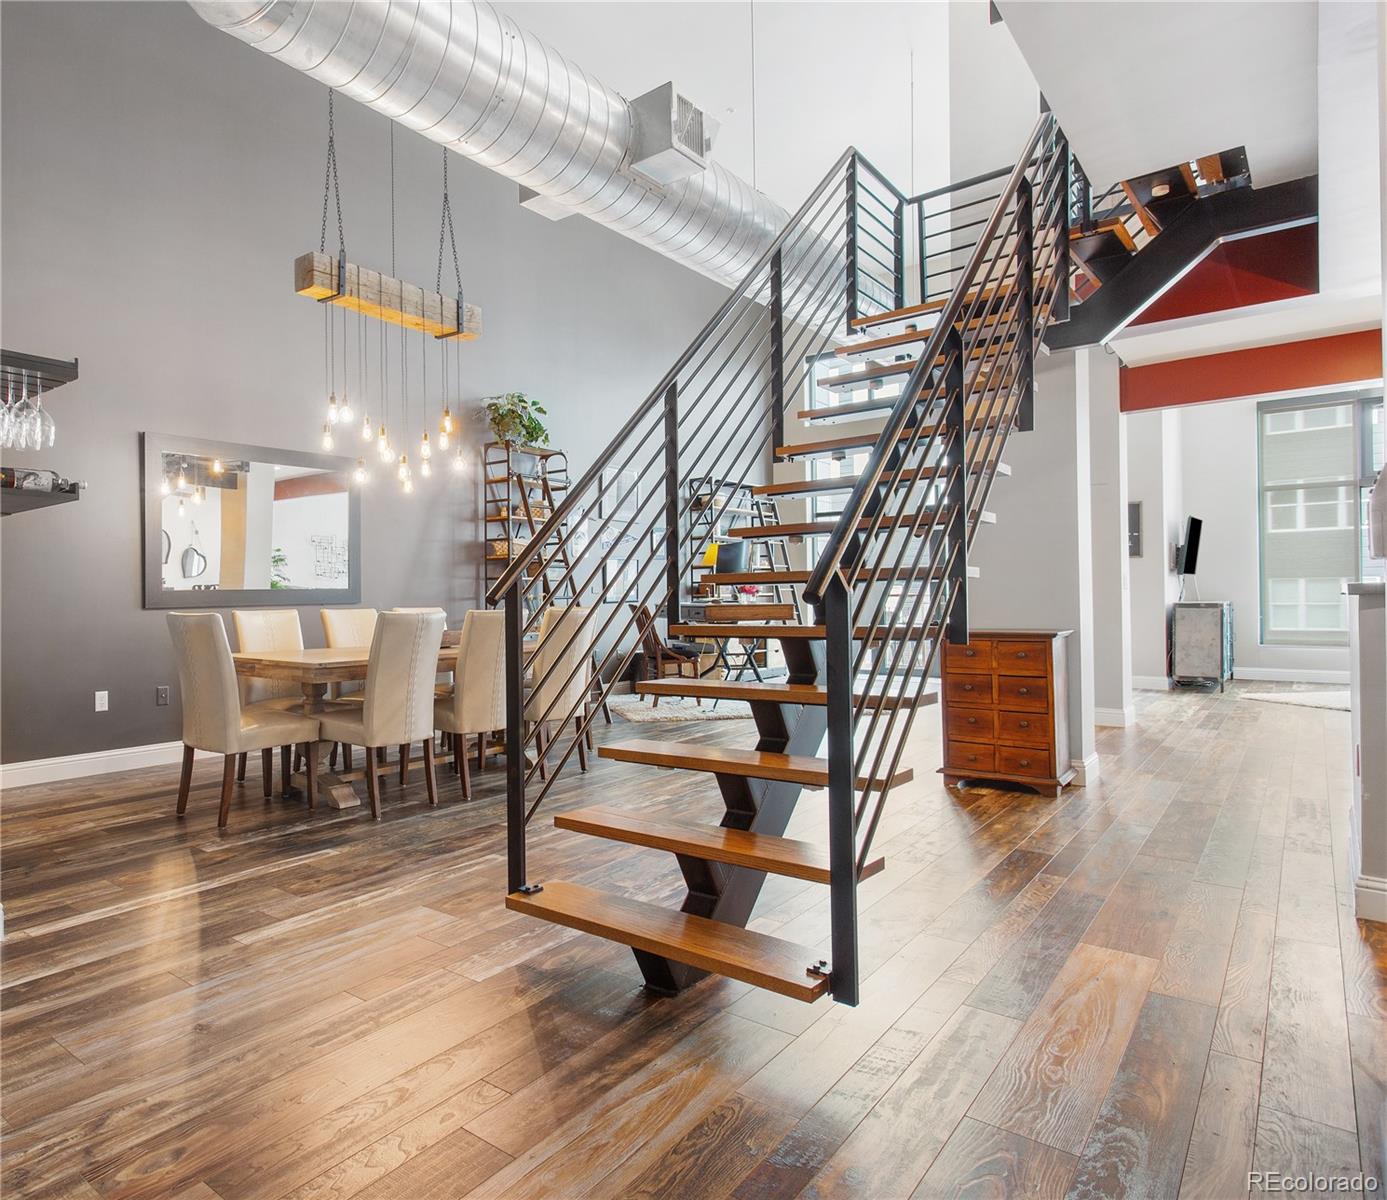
(336, 664)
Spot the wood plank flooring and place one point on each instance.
(1149, 987)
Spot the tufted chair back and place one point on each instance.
(265, 631)
(479, 695)
(400, 678)
(207, 680)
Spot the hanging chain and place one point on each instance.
(445, 223)
(330, 184)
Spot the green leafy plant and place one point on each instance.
(279, 568)
(516, 420)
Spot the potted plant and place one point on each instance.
(747, 593)
(515, 419)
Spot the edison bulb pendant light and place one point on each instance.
(367, 433)
(182, 511)
(360, 474)
(425, 450)
(457, 462)
(197, 495)
(217, 467)
(447, 423)
(407, 487)
(442, 439)
(328, 441)
(182, 479)
(426, 468)
(334, 414)
(164, 488)
(344, 410)
(403, 469)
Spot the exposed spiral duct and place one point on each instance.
(466, 76)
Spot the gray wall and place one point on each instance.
(159, 178)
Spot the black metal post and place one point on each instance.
(851, 286)
(1025, 290)
(777, 353)
(920, 250)
(956, 489)
(842, 823)
(898, 257)
(672, 579)
(1063, 265)
(515, 740)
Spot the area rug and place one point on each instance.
(676, 708)
(1338, 699)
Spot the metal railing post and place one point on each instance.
(1063, 264)
(851, 218)
(1025, 290)
(956, 490)
(842, 821)
(672, 579)
(898, 257)
(515, 740)
(920, 249)
(777, 352)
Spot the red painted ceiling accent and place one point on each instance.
(1265, 370)
(1251, 270)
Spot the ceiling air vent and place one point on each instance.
(673, 136)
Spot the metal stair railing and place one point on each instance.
(617, 539)
(892, 577)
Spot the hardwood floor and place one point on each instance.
(1149, 987)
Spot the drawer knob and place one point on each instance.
(1020, 654)
(970, 653)
(1024, 724)
(1025, 762)
(967, 687)
(1023, 691)
(972, 720)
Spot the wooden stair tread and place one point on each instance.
(845, 483)
(856, 409)
(864, 441)
(755, 958)
(774, 691)
(735, 847)
(828, 524)
(907, 337)
(749, 612)
(763, 632)
(728, 760)
(900, 366)
(929, 306)
(729, 578)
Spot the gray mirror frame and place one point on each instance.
(153, 446)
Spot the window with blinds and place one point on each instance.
(1316, 465)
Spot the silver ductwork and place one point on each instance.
(467, 76)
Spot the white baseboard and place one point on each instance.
(98, 762)
(1290, 675)
(1085, 770)
(1151, 683)
(1370, 898)
(1115, 716)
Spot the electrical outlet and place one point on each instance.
(103, 701)
(161, 695)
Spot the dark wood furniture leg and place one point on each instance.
(228, 784)
(241, 768)
(373, 782)
(404, 763)
(430, 778)
(310, 758)
(267, 769)
(285, 771)
(185, 780)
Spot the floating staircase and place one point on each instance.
(851, 299)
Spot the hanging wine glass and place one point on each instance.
(46, 428)
(21, 414)
(7, 415)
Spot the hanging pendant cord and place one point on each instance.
(331, 185)
(392, 199)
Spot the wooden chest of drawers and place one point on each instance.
(1006, 708)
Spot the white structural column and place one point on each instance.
(1097, 375)
(1153, 481)
(1037, 562)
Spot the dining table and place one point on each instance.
(315, 670)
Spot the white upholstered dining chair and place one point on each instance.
(268, 631)
(559, 676)
(476, 703)
(215, 720)
(396, 708)
(346, 627)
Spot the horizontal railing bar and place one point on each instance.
(985, 177)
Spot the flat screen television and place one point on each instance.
(1187, 557)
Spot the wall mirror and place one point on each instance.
(227, 525)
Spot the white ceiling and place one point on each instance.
(812, 96)
(1143, 85)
